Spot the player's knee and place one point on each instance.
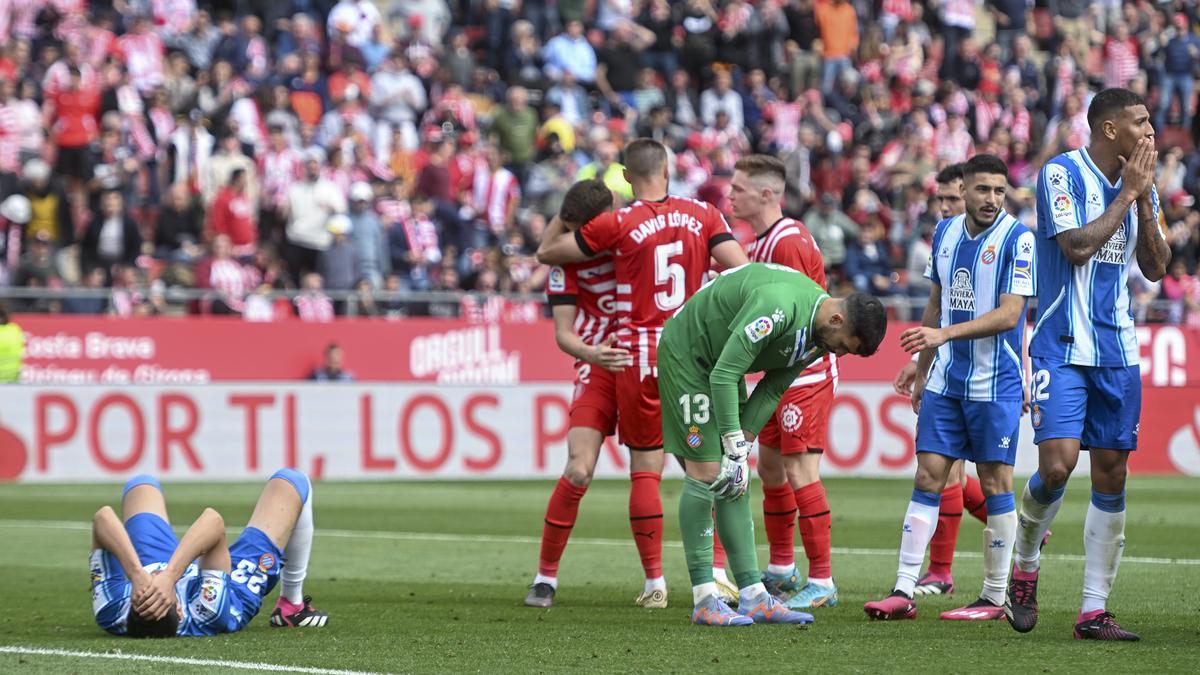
(578, 475)
(771, 473)
(801, 472)
(1055, 475)
(141, 479)
(926, 481)
(214, 515)
(297, 479)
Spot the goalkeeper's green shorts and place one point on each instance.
(688, 419)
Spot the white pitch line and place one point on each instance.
(578, 541)
(178, 661)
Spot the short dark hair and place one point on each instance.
(950, 174)
(585, 200)
(984, 164)
(137, 626)
(1108, 103)
(645, 157)
(236, 174)
(866, 320)
(762, 165)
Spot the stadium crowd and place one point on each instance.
(374, 147)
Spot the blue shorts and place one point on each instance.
(977, 431)
(225, 602)
(152, 537)
(1098, 406)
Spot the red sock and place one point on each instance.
(973, 499)
(815, 523)
(560, 518)
(718, 552)
(941, 547)
(779, 517)
(646, 520)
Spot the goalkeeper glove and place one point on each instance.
(734, 477)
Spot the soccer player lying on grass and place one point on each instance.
(754, 318)
(982, 273)
(148, 583)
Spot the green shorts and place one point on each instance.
(689, 424)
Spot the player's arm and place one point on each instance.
(108, 533)
(765, 398)
(205, 540)
(729, 254)
(1153, 252)
(1080, 243)
(1005, 317)
(604, 355)
(560, 247)
(931, 319)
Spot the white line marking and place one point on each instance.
(178, 660)
(579, 541)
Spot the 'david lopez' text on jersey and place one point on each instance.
(973, 273)
(1083, 310)
(660, 252)
(591, 287)
(790, 244)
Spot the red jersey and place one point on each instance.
(789, 243)
(590, 286)
(660, 254)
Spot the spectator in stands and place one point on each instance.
(722, 98)
(1181, 55)
(497, 193)
(233, 215)
(336, 263)
(515, 128)
(397, 98)
(95, 280)
(37, 267)
(868, 266)
(312, 304)
(112, 237)
(838, 24)
(50, 208)
(177, 236)
(229, 280)
(15, 213)
(371, 256)
(221, 166)
(331, 369)
(570, 51)
(311, 201)
(831, 228)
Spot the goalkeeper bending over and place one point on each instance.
(148, 583)
(757, 317)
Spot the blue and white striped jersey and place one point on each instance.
(1083, 311)
(973, 273)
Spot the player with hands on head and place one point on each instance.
(661, 247)
(969, 407)
(754, 318)
(1097, 210)
(581, 298)
(146, 582)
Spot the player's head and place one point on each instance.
(758, 183)
(985, 182)
(137, 626)
(584, 201)
(853, 325)
(646, 162)
(1119, 119)
(949, 191)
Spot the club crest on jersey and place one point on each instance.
(694, 438)
(989, 256)
(1035, 415)
(791, 417)
(558, 280)
(1062, 204)
(759, 328)
(266, 561)
(962, 293)
(1113, 251)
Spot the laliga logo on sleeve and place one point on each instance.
(558, 280)
(759, 328)
(1062, 204)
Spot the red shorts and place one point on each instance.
(595, 402)
(640, 419)
(801, 422)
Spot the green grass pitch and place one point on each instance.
(428, 577)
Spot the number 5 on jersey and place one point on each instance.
(671, 273)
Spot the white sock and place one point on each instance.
(1103, 545)
(1035, 519)
(782, 570)
(752, 591)
(719, 574)
(919, 524)
(543, 579)
(702, 592)
(998, 539)
(298, 548)
(823, 583)
(657, 583)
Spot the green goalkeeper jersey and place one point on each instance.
(757, 317)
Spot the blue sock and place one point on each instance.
(297, 479)
(1108, 503)
(140, 479)
(998, 505)
(923, 498)
(1044, 495)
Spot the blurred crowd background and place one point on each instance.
(402, 157)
